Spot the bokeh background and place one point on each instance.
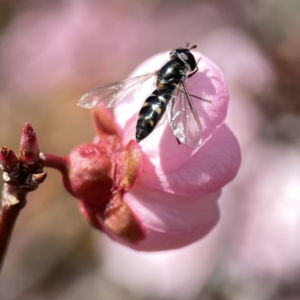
(51, 52)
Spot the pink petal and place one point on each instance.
(208, 83)
(208, 170)
(170, 221)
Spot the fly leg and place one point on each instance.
(193, 72)
(209, 101)
(196, 69)
(190, 75)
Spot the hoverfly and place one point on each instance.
(171, 93)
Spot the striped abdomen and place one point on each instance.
(151, 112)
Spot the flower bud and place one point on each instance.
(99, 174)
(8, 160)
(91, 174)
(29, 147)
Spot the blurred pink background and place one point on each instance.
(51, 52)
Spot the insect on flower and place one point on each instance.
(171, 93)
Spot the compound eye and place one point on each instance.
(183, 56)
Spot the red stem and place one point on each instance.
(56, 162)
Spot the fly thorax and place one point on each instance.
(162, 84)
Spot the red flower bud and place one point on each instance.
(8, 160)
(29, 147)
(100, 173)
(91, 174)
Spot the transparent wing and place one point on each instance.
(184, 119)
(113, 93)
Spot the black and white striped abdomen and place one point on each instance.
(151, 112)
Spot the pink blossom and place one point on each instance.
(172, 199)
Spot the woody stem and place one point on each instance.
(12, 203)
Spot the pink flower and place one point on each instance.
(160, 195)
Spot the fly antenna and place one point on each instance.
(193, 47)
(186, 43)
